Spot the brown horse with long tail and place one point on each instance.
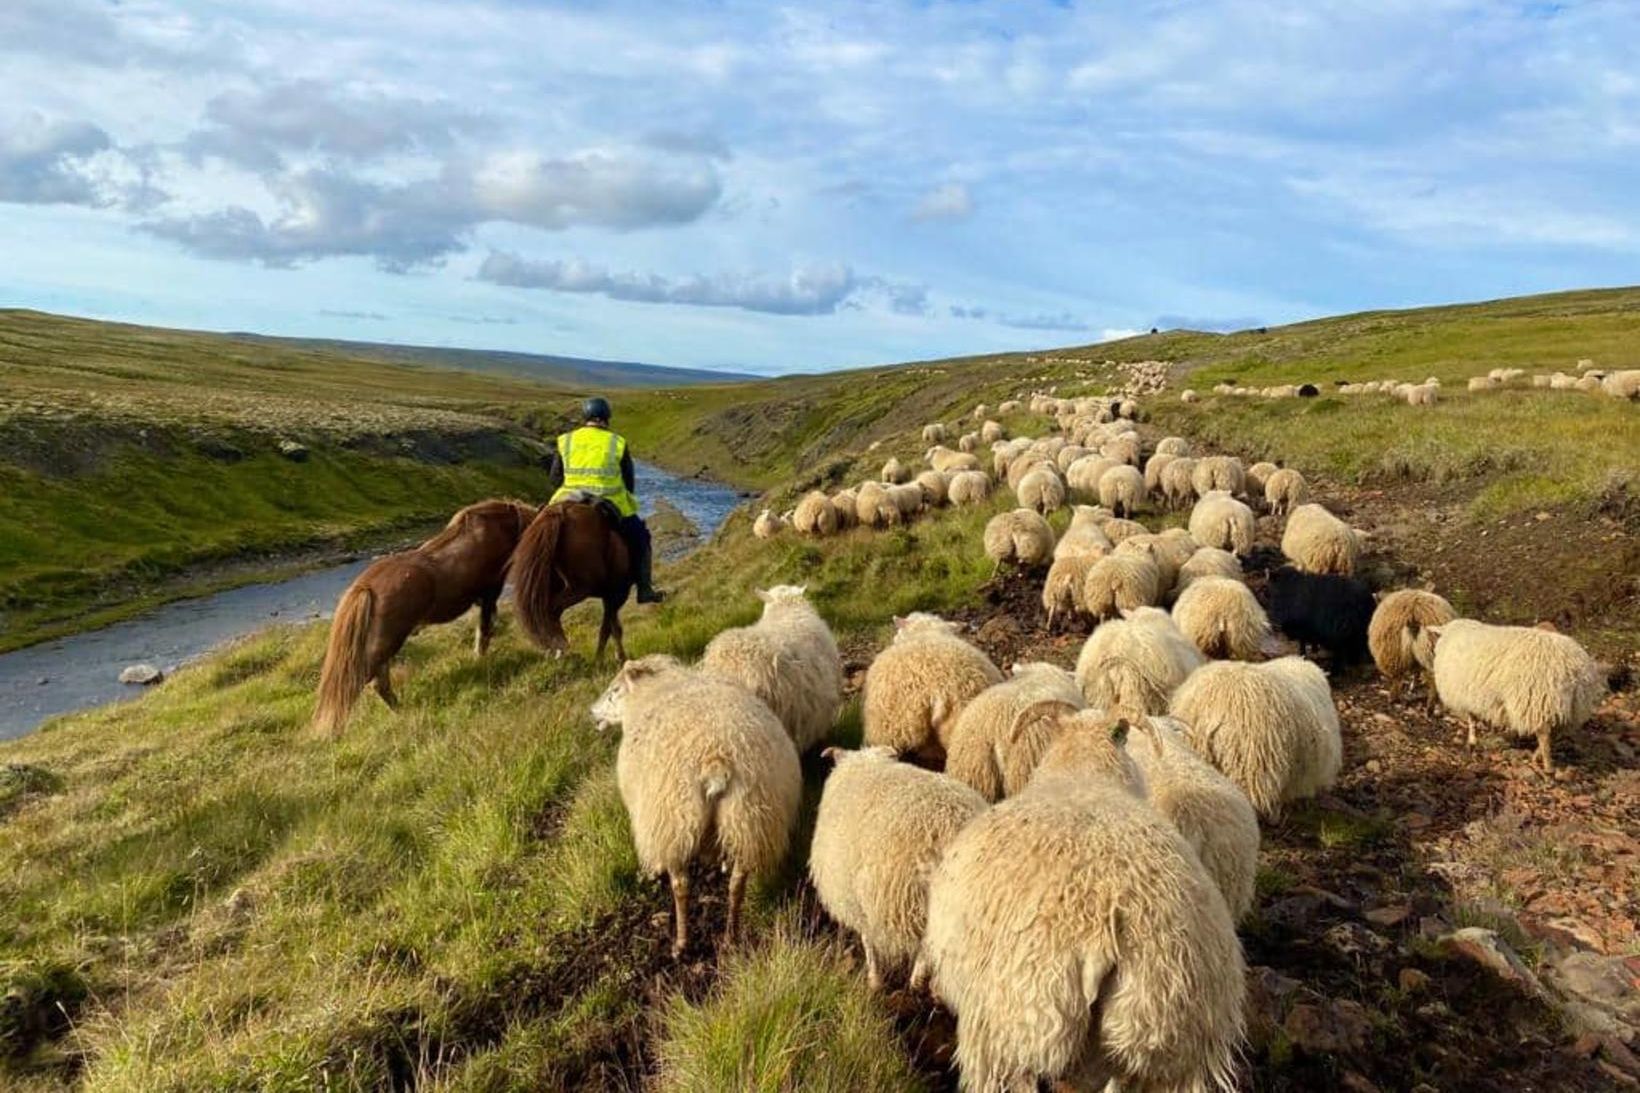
(572, 552)
(438, 581)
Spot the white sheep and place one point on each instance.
(1085, 540)
(1482, 383)
(1399, 635)
(1041, 490)
(1011, 406)
(992, 431)
(1219, 520)
(1624, 384)
(933, 485)
(944, 460)
(1062, 587)
(1222, 618)
(908, 498)
(1123, 449)
(1169, 552)
(934, 433)
(968, 442)
(1077, 937)
(1218, 472)
(1425, 394)
(1285, 490)
(768, 525)
(846, 506)
(1210, 810)
(1083, 476)
(1020, 537)
(1207, 562)
(1525, 681)
(1257, 475)
(1261, 727)
(880, 830)
(874, 507)
(815, 515)
(1134, 663)
(1122, 489)
(1120, 582)
(916, 687)
(1187, 395)
(968, 488)
(981, 411)
(1316, 541)
(1178, 480)
(1067, 455)
(789, 659)
(705, 771)
(991, 749)
(1119, 530)
(895, 472)
(1153, 471)
(1173, 445)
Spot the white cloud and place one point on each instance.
(809, 290)
(47, 162)
(951, 201)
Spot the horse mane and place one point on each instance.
(520, 512)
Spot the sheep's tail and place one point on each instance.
(346, 668)
(715, 777)
(1241, 537)
(1135, 692)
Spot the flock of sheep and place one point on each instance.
(1623, 384)
(1061, 856)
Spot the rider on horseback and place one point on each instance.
(596, 460)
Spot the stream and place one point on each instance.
(82, 670)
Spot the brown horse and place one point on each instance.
(436, 582)
(571, 553)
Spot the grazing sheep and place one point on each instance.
(968, 488)
(1310, 683)
(1119, 530)
(815, 515)
(1169, 551)
(1323, 610)
(1042, 490)
(916, 687)
(1011, 406)
(1285, 490)
(1179, 482)
(1062, 588)
(981, 412)
(789, 659)
(1120, 582)
(895, 472)
(1122, 489)
(1023, 464)
(934, 433)
(1210, 811)
(933, 485)
(1222, 618)
(1134, 663)
(1077, 937)
(1624, 384)
(1173, 445)
(1067, 455)
(944, 460)
(1316, 541)
(1153, 471)
(1482, 383)
(1258, 726)
(1020, 537)
(908, 498)
(1560, 381)
(1422, 394)
(874, 506)
(1084, 540)
(968, 442)
(705, 771)
(1399, 635)
(846, 505)
(1207, 562)
(1083, 476)
(1219, 520)
(1541, 380)
(1257, 475)
(1218, 472)
(880, 830)
(991, 431)
(1525, 681)
(991, 749)
(1187, 395)
(1127, 408)
(1123, 449)
(768, 525)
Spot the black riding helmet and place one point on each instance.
(595, 408)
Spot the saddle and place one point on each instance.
(587, 497)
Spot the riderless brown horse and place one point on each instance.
(572, 552)
(436, 582)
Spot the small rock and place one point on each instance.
(296, 453)
(1585, 1045)
(1487, 949)
(1393, 915)
(1356, 1083)
(42, 681)
(1374, 767)
(1329, 1027)
(1542, 516)
(1411, 980)
(141, 675)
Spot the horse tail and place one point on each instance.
(534, 574)
(346, 668)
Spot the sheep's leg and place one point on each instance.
(737, 896)
(874, 968)
(1545, 760)
(680, 912)
(919, 974)
(1470, 721)
(384, 687)
(995, 570)
(1051, 611)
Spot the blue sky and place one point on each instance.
(768, 188)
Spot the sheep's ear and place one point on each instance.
(1435, 631)
(833, 754)
(1048, 713)
(899, 622)
(802, 590)
(1125, 612)
(762, 594)
(1119, 731)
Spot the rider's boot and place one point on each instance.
(643, 565)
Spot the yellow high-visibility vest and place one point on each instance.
(592, 462)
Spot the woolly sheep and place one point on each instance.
(1067, 455)
(1482, 383)
(1127, 408)
(846, 506)
(992, 430)
(1560, 381)
(1121, 489)
(880, 830)
(705, 771)
(1222, 618)
(944, 460)
(1258, 726)
(1062, 588)
(981, 411)
(1077, 937)
(1083, 476)
(908, 498)
(1187, 395)
(1218, 472)
(1042, 490)
(968, 442)
(1285, 490)
(768, 525)
(1153, 471)
(1257, 475)
(1009, 407)
(934, 433)
(874, 507)
(1169, 551)
(1207, 562)
(1624, 384)
(1173, 445)
(895, 472)
(1119, 530)
(1178, 482)
(916, 687)
(933, 485)
(815, 515)
(1123, 449)
(968, 488)
(1020, 537)
(1023, 464)
(1310, 683)
(1541, 380)
(1084, 540)
(1423, 394)
(789, 659)
(1219, 520)
(1210, 811)
(1134, 663)
(1089, 516)
(1120, 582)
(1399, 635)
(1522, 680)
(1321, 609)
(1316, 541)
(991, 749)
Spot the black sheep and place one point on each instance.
(1322, 609)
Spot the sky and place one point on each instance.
(767, 188)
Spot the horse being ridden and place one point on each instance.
(436, 582)
(573, 551)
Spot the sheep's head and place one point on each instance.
(783, 593)
(921, 622)
(1083, 744)
(878, 753)
(1147, 616)
(611, 706)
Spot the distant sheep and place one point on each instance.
(768, 525)
(1173, 445)
(1011, 406)
(908, 498)
(895, 472)
(934, 433)
(1482, 383)
(992, 749)
(1062, 588)
(1285, 490)
(1525, 681)
(880, 830)
(1218, 472)
(916, 687)
(1125, 966)
(934, 485)
(1136, 662)
(1316, 541)
(1257, 475)
(846, 506)
(1222, 618)
(946, 461)
(1560, 381)
(1084, 475)
(705, 770)
(1423, 394)
(1399, 636)
(1120, 582)
(1020, 537)
(1207, 562)
(815, 515)
(1178, 482)
(1042, 490)
(1624, 384)
(1219, 520)
(1122, 489)
(968, 488)
(789, 659)
(1187, 395)
(1321, 610)
(981, 412)
(992, 431)
(968, 442)
(874, 507)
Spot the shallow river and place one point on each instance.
(83, 670)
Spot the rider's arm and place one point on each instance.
(555, 473)
(627, 475)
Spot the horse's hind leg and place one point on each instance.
(384, 685)
(486, 623)
(611, 628)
